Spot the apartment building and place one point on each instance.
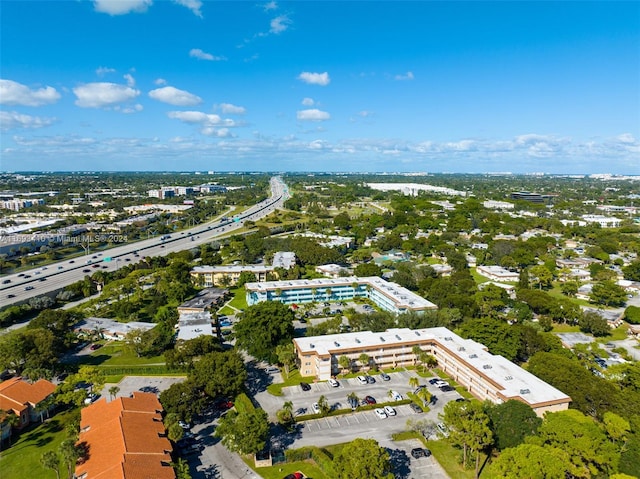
(22, 398)
(483, 374)
(388, 296)
(126, 439)
(228, 275)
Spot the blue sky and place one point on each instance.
(320, 86)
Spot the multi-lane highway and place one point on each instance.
(16, 288)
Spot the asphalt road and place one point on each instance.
(56, 276)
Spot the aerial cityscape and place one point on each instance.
(321, 240)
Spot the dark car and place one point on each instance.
(445, 389)
(294, 475)
(432, 381)
(385, 376)
(461, 400)
(417, 409)
(305, 386)
(11, 296)
(369, 400)
(370, 379)
(419, 452)
(29, 288)
(6, 281)
(353, 402)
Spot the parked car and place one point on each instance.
(184, 425)
(380, 413)
(390, 411)
(305, 386)
(419, 452)
(369, 400)
(446, 388)
(362, 379)
(443, 429)
(315, 407)
(417, 409)
(396, 396)
(272, 369)
(353, 402)
(433, 381)
(385, 376)
(370, 379)
(334, 383)
(294, 475)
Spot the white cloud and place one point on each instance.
(173, 96)
(406, 76)
(626, 138)
(10, 120)
(231, 109)
(121, 7)
(193, 5)
(365, 114)
(270, 6)
(202, 55)
(14, 93)
(131, 109)
(101, 94)
(312, 114)
(160, 81)
(102, 71)
(130, 80)
(308, 101)
(280, 24)
(315, 78)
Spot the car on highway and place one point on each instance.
(9, 296)
(6, 281)
(60, 267)
(29, 288)
(42, 279)
(86, 271)
(381, 413)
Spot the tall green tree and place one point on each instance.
(511, 422)
(220, 374)
(262, 327)
(363, 458)
(50, 460)
(244, 432)
(531, 461)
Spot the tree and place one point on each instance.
(285, 415)
(608, 293)
(469, 428)
(185, 399)
(367, 269)
(262, 327)
(531, 461)
(413, 382)
(323, 404)
(113, 391)
(495, 334)
(592, 322)
(181, 467)
(286, 356)
(632, 271)
(590, 452)
(345, 363)
(425, 395)
(220, 374)
(175, 432)
(542, 276)
(70, 454)
(511, 422)
(50, 460)
(363, 458)
(364, 360)
(244, 432)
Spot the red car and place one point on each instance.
(295, 475)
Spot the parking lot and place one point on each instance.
(152, 384)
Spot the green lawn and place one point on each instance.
(448, 457)
(22, 459)
(115, 354)
(309, 469)
(239, 300)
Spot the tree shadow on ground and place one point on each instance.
(400, 462)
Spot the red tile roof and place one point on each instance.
(17, 394)
(124, 439)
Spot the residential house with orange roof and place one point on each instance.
(24, 398)
(125, 439)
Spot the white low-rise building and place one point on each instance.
(483, 374)
(498, 273)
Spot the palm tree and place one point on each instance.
(113, 391)
(352, 396)
(328, 293)
(70, 454)
(417, 351)
(413, 382)
(425, 395)
(323, 404)
(364, 359)
(50, 460)
(428, 360)
(344, 362)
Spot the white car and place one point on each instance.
(380, 413)
(316, 408)
(362, 379)
(441, 383)
(443, 429)
(389, 411)
(334, 383)
(396, 396)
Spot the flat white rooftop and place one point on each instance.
(512, 380)
(193, 325)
